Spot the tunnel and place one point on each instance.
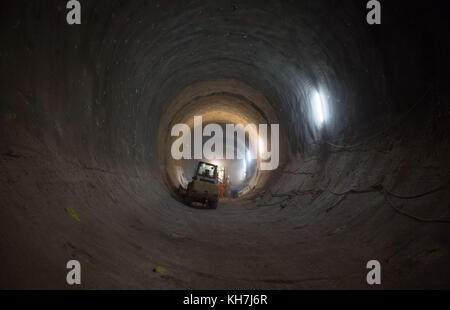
(86, 117)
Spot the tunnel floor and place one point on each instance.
(260, 241)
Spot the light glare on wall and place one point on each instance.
(319, 108)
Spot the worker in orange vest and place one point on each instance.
(222, 189)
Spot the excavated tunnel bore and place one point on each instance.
(86, 175)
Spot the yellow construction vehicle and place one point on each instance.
(204, 187)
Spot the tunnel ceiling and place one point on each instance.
(140, 57)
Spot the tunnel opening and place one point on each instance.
(235, 111)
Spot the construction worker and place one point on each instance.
(222, 189)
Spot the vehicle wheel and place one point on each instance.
(188, 200)
(213, 204)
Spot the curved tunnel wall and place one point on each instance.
(82, 112)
